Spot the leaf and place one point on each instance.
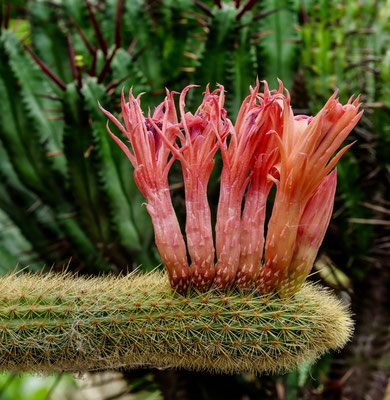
(137, 24)
(212, 68)
(244, 64)
(15, 250)
(128, 73)
(34, 221)
(30, 162)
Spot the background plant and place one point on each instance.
(66, 190)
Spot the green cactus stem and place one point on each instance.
(67, 323)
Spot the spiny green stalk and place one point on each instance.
(68, 323)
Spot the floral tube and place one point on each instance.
(311, 232)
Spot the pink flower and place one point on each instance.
(306, 148)
(311, 231)
(199, 144)
(151, 159)
(238, 157)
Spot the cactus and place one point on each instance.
(69, 323)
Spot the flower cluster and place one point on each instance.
(266, 146)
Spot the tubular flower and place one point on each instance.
(267, 145)
(311, 232)
(238, 158)
(151, 159)
(262, 179)
(198, 147)
(306, 149)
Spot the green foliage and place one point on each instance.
(54, 134)
(278, 44)
(345, 46)
(27, 387)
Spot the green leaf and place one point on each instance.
(15, 250)
(214, 61)
(137, 24)
(126, 71)
(34, 221)
(84, 181)
(244, 64)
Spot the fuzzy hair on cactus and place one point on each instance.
(266, 146)
(68, 323)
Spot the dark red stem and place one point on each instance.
(7, 15)
(71, 57)
(247, 6)
(204, 8)
(118, 23)
(92, 69)
(46, 69)
(96, 26)
(87, 43)
(106, 66)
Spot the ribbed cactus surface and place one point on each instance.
(68, 323)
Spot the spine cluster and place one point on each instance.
(68, 323)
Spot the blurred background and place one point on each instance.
(67, 198)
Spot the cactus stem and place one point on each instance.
(69, 323)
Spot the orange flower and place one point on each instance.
(264, 172)
(311, 231)
(306, 148)
(151, 159)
